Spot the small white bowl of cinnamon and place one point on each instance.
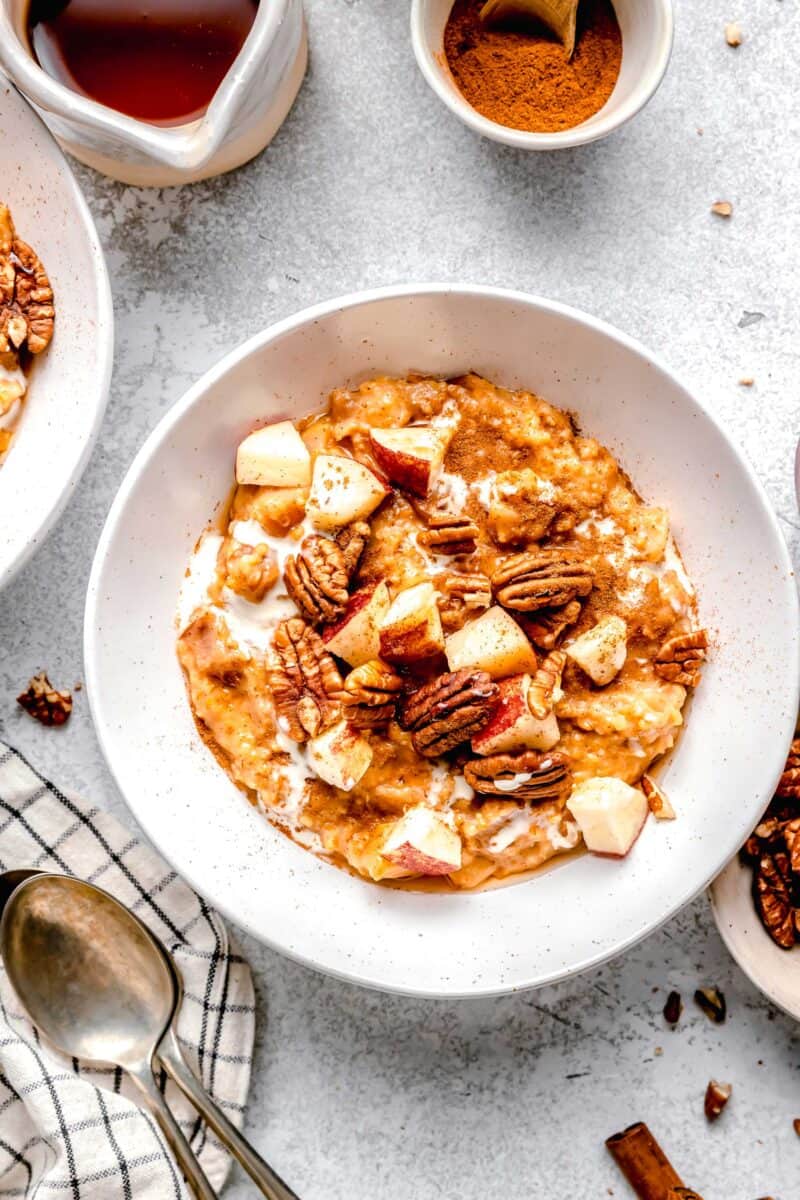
(512, 80)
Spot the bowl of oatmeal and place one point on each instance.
(422, 654)
(56, 332)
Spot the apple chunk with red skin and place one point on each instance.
(512, 725)
(275, 456)
(609, 813)
(422, 843)
(412, 628)
(339, 755)
(493, 642)
(354, 637)
(409, 457)
(342, 491)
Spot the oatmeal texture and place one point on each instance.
(534, 576)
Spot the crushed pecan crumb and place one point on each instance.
(545, 687)
(45, 703)
(317, 578)
(530, 776)
(681, 658)
(447, 711)
(547, 578)
(305, 681)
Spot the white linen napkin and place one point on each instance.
(73, 1131)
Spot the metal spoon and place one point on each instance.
(558, 15)
(168, 1049)
(95, 983)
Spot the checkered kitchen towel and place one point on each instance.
(68, 1130)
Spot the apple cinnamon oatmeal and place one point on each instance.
(26, 322)
(439, 634)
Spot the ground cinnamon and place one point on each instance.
(518, 75)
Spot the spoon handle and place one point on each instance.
(155, 1102)
(271, 1185)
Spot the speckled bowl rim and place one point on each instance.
(771, 756)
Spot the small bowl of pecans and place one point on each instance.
(756, 899)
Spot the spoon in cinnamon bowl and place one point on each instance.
(560, 16)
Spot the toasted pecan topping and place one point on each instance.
(547, 626)
(659, 805)
(305, 681)
(317, 578)
(44, 703)
(773, 898)
(681, 658)
(447, 711)
(461, 596)
(789, 784)
(372, 684)
(450, 535)
(545, 578)
(546, 684)
(26, 297)
(251, 571)
(529, 775)
(352, 541)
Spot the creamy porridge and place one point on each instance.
(439, 634)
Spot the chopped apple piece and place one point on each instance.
(493, 642)
(275, 456)
(411, 456)
(354, 637)
(422, 843)
(610, 815)
(340, 756)
(342, 490)
(412, 628)
(512, 725)
(602, 650)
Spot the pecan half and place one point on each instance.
(371, 692)
(547, 626)
(447, 711)
(681, 658)
(250, 571)
(459, 596)
(44, 703)
(547, 578)
(546, 684)
(791, 837)
(529, 775)
(305, 681)
(26, 297)
(789, 784)
(352, 541)
(772, 896)
(316, 579)
(450, 535)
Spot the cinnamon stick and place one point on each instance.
(645, 1165)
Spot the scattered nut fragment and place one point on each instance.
(673, 1008)
(660, 806)
(722, 208)
(733, 34)
(746, 381)
(712, 1002)
(44, 703)
(717, 1096)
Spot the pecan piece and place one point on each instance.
(713, 1003)
(451, 535)
(772, 896)
(371, 692)
(547, 626)
(681, 658)
(250, 571)
(529, 775)
(447, 711)
(673, 1008)
(789, 784)
(316, 579)
(44, 703)
(352, 541)
(547, 578)
(460, 596)
(791, 837)
(26, 297)
(717, 1096)
(658, 803)
(545, 687)
(305, 681)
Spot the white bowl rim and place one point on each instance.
(161, 434)
(579, 135)
(105, 357)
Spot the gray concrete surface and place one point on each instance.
(371, 181)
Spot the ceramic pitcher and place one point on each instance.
(242, 118)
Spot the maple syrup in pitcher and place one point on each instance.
(157, 60)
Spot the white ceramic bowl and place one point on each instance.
(774, 972)
(69, 383)
(559, 922)
(647, 33)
